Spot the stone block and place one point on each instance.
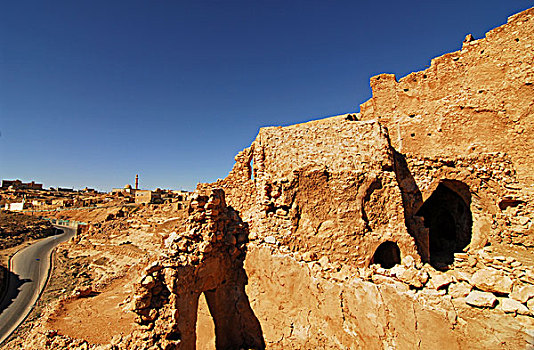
(481, 299)
(522, 293)
(491, 280)
(509, 305)
(459, 290)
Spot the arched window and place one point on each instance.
(387, 255)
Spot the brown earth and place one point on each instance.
(97, 318)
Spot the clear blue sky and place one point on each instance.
(93, 92)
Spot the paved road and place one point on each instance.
(29, 269)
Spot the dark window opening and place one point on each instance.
(448, 217)
(387, 255)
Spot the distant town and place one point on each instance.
(16, 195)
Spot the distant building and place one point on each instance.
(16, 206)
(147, 196)
(61, 189)
(17, 184)
(38, 202)
(181, 196)
(127, 190)
(63, 202)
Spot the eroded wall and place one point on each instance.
(476, 100)
(327, 187)
(314, 305)
(500, 205)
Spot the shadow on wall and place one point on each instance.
(236, 325)
(412, 200)
(442, 225)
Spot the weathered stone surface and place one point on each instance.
(270, 239)
(334, 182)
(440, 280)
(206, 257)
(481, 299)
(513, 306)
(425, 111)
(491, 280)
(321, 313)
(413, 277)
(522, 293)
(459, 290)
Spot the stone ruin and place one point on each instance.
(206, 258)
(396, 213)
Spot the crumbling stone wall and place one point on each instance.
(499, 204)
(205, 258)
(238, 185)
(327, 187)
(476, 100)
(303, 304)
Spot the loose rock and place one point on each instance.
(481, 299)
(490, 280)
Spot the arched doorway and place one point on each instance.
(448, 217)
(387, 255)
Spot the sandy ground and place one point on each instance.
(99, 318)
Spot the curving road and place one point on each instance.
(29, 270)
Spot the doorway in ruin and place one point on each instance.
(447, 215)
(205, 326)
(387, 255)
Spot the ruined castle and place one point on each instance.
(407, 225)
